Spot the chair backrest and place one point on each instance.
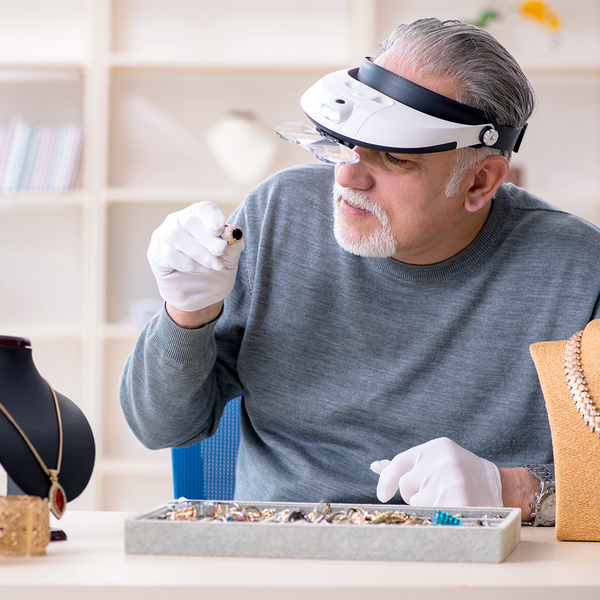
(206, 470)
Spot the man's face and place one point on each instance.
(396, 204)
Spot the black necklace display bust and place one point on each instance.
(28, 401)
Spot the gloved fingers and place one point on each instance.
(379, 465)
(489, 490)
(194, 267)
(389, 480)
(210, 239)
(179, 242)
(174, 261)
(410, 484)
(449, 495)
(458, 476)
(416, 481)
(441, 473)
(231, 255)
(210, 215)
(421, 499)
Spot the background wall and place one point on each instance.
(146, 80)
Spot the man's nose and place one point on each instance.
(355, 175)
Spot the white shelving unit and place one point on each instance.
(147, 79)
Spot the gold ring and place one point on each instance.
(232, 234)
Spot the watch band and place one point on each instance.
(544, 501)
(540, 471)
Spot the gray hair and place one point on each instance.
(486, 75)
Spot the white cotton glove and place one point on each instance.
(439, 473)
(193, 266)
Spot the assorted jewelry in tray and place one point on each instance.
(325, 531)
(227, 512)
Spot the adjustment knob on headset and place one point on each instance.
(489, 136)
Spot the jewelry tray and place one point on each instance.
(153, 533)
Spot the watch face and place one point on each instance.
(546, 508)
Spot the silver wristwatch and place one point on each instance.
(544, 501)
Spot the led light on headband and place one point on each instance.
(377, 109)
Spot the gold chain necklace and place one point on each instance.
(57, 499)
(578, 386)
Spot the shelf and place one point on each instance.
(300, 66)
(46, 333)
(28, 200)
(272, 64)
(170, 196)
(210, 34)
(561, 69)
(42, 63)
(45, 32)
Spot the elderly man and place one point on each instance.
(395, 323)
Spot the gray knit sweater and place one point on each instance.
(342, 360)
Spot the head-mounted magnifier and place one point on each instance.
(374, 108)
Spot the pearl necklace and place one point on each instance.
(578, 386)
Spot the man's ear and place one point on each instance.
(486, 178)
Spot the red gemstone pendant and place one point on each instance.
(57, 500)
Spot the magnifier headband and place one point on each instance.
(374, 108)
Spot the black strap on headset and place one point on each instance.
(429, 102)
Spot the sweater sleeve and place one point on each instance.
(176, 382)
(167, 389)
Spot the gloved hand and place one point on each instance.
(439, 473)
(193, 266)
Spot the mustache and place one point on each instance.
(360, 200)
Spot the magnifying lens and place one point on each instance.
(327, 150)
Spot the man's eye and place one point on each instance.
(395, 160)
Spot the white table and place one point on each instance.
(92, 564)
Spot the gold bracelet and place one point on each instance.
(24, 526)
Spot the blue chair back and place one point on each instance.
(206, 470)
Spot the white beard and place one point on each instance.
(380, 243)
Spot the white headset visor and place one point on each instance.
(349, 108)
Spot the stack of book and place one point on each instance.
(41, 158)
